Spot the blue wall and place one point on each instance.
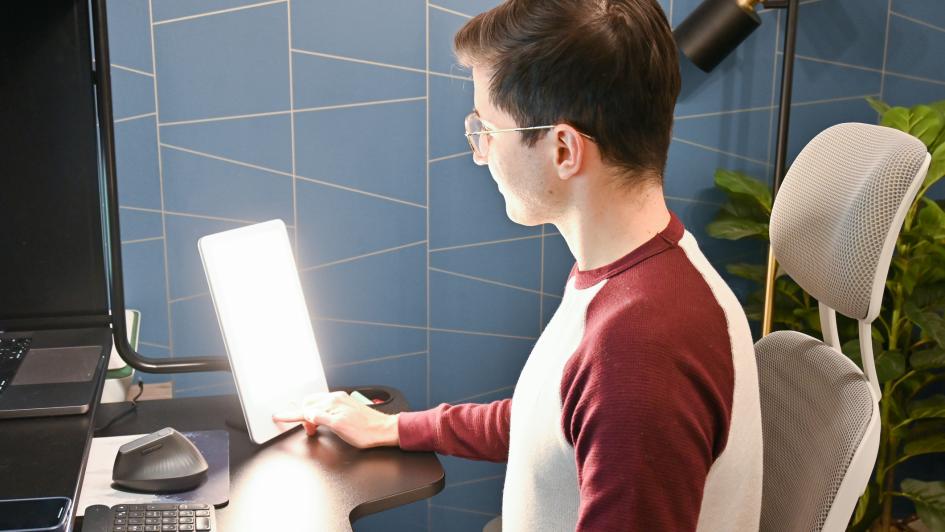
(345, 120)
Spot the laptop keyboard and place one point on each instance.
(12, 351)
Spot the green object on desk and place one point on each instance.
(361, 398)
(133, 321)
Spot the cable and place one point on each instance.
(131, 408)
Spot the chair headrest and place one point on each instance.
(838, 213)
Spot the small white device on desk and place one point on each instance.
(266, 328)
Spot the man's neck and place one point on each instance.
(605, 225)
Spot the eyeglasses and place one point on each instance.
(478, 134)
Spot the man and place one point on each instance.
(638, 407)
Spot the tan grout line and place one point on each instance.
(723, 152)
(486, 281)
(464, 510)
(210, 217)
(355, 60)
(217, 12)
(188, 298)
(473, 481)
(476, 244)
(359, 104)
(133, 70)
(359, 257)
(378, 359)
(226, 159)
(422, 328)
(769, 107)
(134, 117)
(917, 21)
(832, 100)
(141, 209)
(450, 76)
(426, 175)
(724, 112)
(294, 176)
(447, 10)
(289, 112)
(295, 205)
(222, 118)
(359, 191)
(151, 344)
(835, 63)
(160, 163)
(140, 240)
(693, 200)
(376, 323)
(915, 78)
(882, 79)
(448, 157)
(480, 394)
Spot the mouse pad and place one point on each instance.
(97, 487)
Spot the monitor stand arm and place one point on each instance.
(102, 76)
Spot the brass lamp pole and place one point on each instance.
(712, 31)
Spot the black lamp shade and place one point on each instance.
(713, 30)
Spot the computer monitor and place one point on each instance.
(52, 259)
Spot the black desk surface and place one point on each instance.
(322, 482)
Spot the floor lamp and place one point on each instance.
(707, 36)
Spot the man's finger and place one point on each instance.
(317, 416)
(310, 428)
(288, 416)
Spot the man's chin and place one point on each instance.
(517, 216)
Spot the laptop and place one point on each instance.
(54, 320)
(265, 323)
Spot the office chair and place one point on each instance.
(834, 227)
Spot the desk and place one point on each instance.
(320, 481)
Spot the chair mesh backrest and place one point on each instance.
(835, 211)
(816, 407)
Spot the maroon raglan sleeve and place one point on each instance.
(646, 426)
(475, 431)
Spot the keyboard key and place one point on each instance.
(169, 528)
(194, 506)
(152, 528)
(162, 507)
(203, 523)
(187, 520)
(186, 527)
(186, 513)
(203, 513)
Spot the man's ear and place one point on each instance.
(570, 150)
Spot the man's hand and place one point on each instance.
(355, 423)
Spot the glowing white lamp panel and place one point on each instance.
(265, 322)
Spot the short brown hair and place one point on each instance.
(609, 68)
